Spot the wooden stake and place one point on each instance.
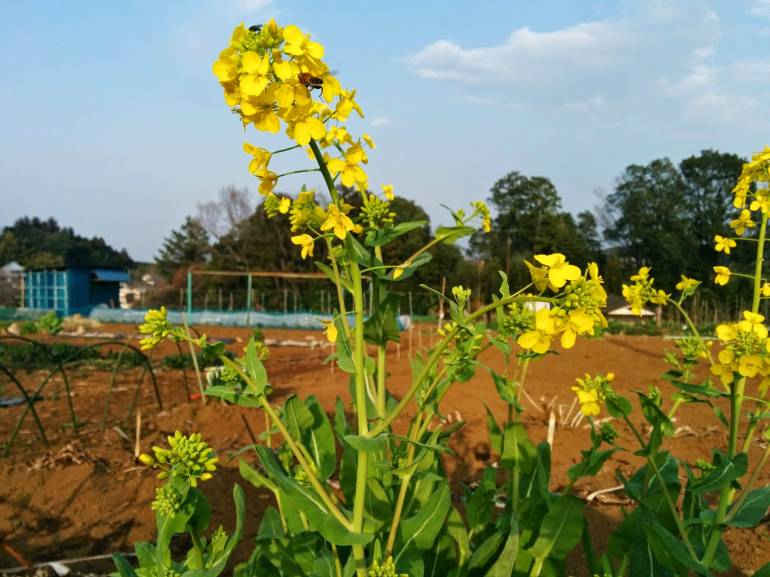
(138, 437)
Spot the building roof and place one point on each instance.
(626, 312)
(110, 275)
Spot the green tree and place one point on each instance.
(33, 242)
(650, 225)
(529, 219)
(184, 247)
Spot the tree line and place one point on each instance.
(659, 214)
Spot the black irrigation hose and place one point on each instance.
(30, 407)
(60, 368)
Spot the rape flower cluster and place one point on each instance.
(745, 349)
(386, 569)
(188, 458)
(576, 308)
(157, 328)
(642, 292)
(751, 195)
(592, 392)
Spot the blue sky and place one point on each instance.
(113, 123)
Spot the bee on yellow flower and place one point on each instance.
(723, 244)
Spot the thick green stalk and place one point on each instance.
(736, 405)
(436, 355)
(669, 499)
(362, 465)
(381, 349)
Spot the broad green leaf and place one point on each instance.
(319, 440)
(358, 252)
(270, 527)
(255, 369)
(485, 552)
(763, 571)
(451, 234)
(673, 546)
(382, 326)
(254, 477)
(233, 397)
(459, 534)
(618, 406)
(753, 509)
(495, 435)
(384, 236)
(560, 530)
(308, 501)
(123, 566)
(725, 471)
(367, 444)
(409, 267)
(505, 563)
(421, 530)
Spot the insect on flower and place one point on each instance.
(310, 81)
(256, 28)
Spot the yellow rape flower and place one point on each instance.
(559, 271)
(258, 165)
(743, 222)
(766, 289)
(337, 221)
(590, 404)
(538, 340)
(687, 284)
(256, 75)
(284, 205)
(368, 140)
(348, 166)
(642, 275)
(722, 275)
(577, 323)
(305, 128)
(387, 190)
(299, 44)
(306, 242)
(268, 182)
(330, 330)
(723, 244)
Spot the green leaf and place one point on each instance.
(459, 534)
(308, 501)
(233, 397)
(382, 326)
(384, 236)
(505, 388)
(254, 477)
(367, 444)
(763, 571)
(123, 566)
(506, 561)
(255, 370)
(451, 234)
(725, 471)
(486, 551)
(495, 435)
(410, 267)
(618, 406)
(753, 509)
(673, 546)
(421, 530)
(320, 439)
(270, 527)
(358, 252)
(560, 530)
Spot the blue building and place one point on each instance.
(72, 290)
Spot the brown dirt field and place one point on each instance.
(86, 496)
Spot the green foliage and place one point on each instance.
(183, 248)
(44, 243)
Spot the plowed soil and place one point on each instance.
(85, 495)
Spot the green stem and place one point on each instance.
(189, 340)
(749, 484)
(324, 170)
(436, 355)
(736, 404)
(340, 290)
(690, 324)
(381, 349)
(314, 482)
(287, 149)
(359, 356)
(301, 171)
(669, 500)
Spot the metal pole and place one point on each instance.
(189, 294)
(248, 300)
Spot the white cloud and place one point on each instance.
(595, 103)
(525, 56)
(760, 8)
(377, 121)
